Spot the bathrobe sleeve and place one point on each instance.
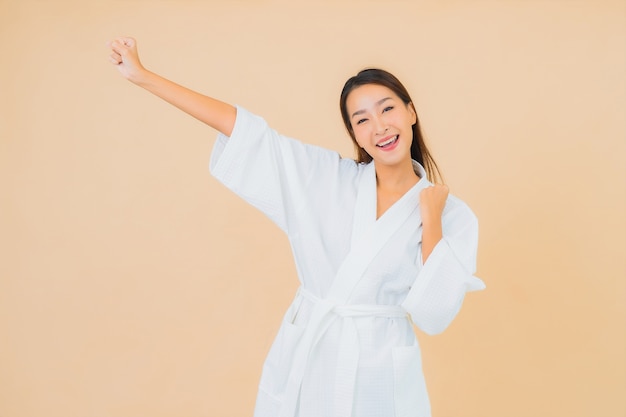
(440, 286)
(272, 172)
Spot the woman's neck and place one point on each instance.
(397, 178)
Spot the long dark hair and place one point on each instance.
(419, 152)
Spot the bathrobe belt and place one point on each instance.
(324, 313)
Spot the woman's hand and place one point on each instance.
(432, 201)
(124, 55)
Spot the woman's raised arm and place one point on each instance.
(217, 114)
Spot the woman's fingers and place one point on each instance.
(115, 58)
(435, 192)
(118, 47)
(129, 42)
(433, 200)
(116, 52)
(123, 46)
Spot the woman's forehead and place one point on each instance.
(368, 95)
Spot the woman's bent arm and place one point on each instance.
(217, 114)
(432, 202)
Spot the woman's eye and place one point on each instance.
(387, 108)
(361, 121)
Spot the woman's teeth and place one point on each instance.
(387, 142)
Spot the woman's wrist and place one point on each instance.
(141, 77)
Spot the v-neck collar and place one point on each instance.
(366, 202)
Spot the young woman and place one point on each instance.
(377, 246)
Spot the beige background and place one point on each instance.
(133, 284)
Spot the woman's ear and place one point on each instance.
(413, 113)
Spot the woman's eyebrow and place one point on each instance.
(378, 103)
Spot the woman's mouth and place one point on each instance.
(389, 143)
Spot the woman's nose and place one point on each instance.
(380, 125)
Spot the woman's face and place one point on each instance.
(382, 123)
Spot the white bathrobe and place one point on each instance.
(346, 346)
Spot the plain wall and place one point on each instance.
(132, 283)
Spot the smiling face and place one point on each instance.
(381, 123)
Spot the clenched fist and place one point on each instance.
(432, 202)
(124, 55)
